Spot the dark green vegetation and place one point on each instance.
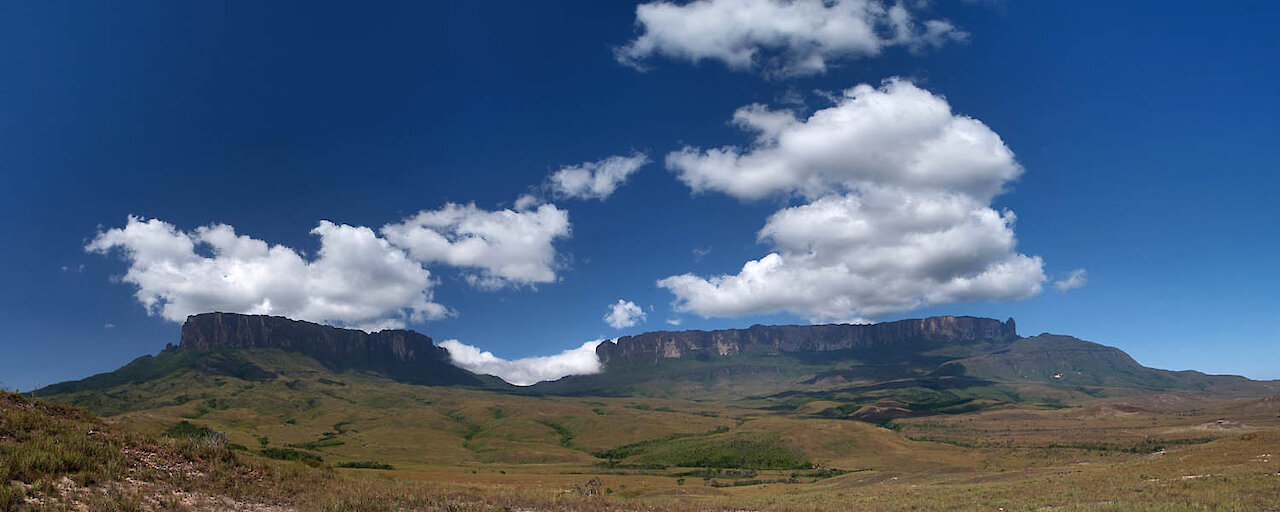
(187, 430)
(1066, 362)
(648, 445)
(749, 451)
(146, 368)
(317, 444)
(566, 435)
(291, 454)
(365, 464)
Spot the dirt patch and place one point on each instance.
(881, 414)
(1221, 425)
(138, 495)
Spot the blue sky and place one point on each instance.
(1142, 137)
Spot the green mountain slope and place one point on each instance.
(1070, 362)
(909, 377)
(1056, 361)
(948, 365)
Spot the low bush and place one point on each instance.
(365, 464)
(199, 433)
(290, 454)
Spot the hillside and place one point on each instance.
(963, 443)
(54, 457)
(1066, 361)
(59, 458)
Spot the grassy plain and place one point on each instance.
(297, 425)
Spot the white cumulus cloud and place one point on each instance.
(526, 371)
(500, 248)
(527, 202)
(896, 135)
(624, 313)
(595, 180)
(898, 212)
(357, 279)
(785, 37)
(1076, 279)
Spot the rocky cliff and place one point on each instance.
(401, 354)
(656, 346)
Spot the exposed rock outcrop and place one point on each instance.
(656, 346)
(209, 331)
(401, 354)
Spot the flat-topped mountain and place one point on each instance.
(945, 352)
(912, 365)
(216, 343)
(335, 347)
(656, 346)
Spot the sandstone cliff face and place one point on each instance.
(229, 330)
(402, 354)
(656, 346)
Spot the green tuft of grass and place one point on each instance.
(11, 497)
(40, 441)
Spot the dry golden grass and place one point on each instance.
(457, 449)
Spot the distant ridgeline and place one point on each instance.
(914, 333)
(934, 353)
(931, 353)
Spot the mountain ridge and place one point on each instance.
(208, 343)
(334, 345)
(659, 345)
(756, 361)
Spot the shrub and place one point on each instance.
(200, 434)
(724, 451)
(289, 454)
(365, 464)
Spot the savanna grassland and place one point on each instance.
(301, 437)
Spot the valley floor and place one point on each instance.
(306, 439)
(1103, 456)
